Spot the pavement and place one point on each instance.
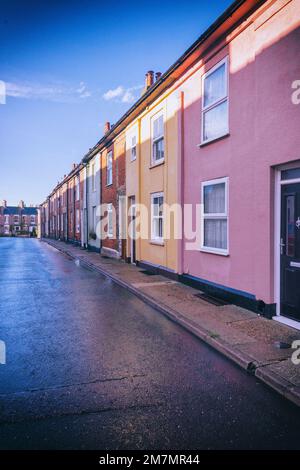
(246, 338)
(91, 366)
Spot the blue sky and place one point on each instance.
(68, 67)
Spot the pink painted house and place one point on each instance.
(240, 154)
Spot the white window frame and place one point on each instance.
(109, 169)
(221, 215)
(154, 140)
(133, 146)
(110, 225)
(217, 102)
(154, 238)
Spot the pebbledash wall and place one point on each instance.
(246, 64)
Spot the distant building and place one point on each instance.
(18, 220)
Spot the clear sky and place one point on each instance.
(69, 66)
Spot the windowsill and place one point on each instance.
(157, 242)
(107, 185)
(216, 139)
(133, 160)
(214, 251)
(159, 163)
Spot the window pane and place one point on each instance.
(290, 225)
(214, 199)
(160, 227)
(215, 121)
(215, 86)
(290, 174)
(215, 233)
(158, 150)
(158, 127)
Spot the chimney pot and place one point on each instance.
(74, 166)
(21, 204)
(106, 127)
(4, 203)
(157, 76)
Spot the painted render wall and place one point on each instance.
(143, 178)
(263, 63)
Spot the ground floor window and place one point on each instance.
(215, 216)
(157, 218)
(77, 221)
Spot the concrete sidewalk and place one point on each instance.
(246, 338)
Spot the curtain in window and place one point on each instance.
(214, 199)
(215, 233)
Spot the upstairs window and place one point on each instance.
(93, 177)
(215, 102)
(158, 153)
(109, 161)
(133, 148)
(77, 187)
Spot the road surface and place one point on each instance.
(90, 366)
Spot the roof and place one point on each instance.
(16, 210)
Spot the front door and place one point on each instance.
(133, 230)
(290, 251)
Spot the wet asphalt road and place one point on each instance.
(90, 366)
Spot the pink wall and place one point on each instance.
(264, 129)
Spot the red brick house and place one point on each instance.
(113, 192)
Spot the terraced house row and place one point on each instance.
(200, 179)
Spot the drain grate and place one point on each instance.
(148, 273)
(211, 299)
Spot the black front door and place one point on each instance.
(290, 251)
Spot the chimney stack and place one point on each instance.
(106, 127)
(21, 204)
(157, 76)
(149, 79)
(3, 203)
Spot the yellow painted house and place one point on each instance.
(152, 160)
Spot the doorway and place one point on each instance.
(288, 241)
